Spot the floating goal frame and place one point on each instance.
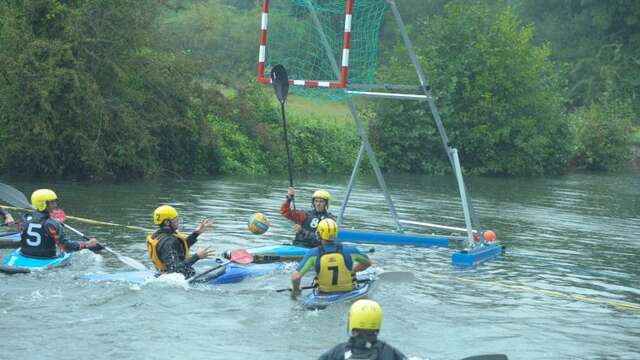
(474, 252)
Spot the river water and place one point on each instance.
(568, 286)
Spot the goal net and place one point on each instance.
(325, 45)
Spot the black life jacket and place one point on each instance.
(311, 221)
(36, 241)
(370, 351)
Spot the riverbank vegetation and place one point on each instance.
(94, 89)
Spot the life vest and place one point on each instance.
(310, 223)
(154, 243)
(35, 240)
(371, 352)
(333, 275)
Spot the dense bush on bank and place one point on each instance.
(95, 89)
(603, 134)
(86, 94)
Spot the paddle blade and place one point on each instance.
(14, 270)
(488, 357)
(302, 288)
(396, 276)
(240, 256)
(13, 196)
(280, 81)
(127, 260)
(205, 274)
(133, 263)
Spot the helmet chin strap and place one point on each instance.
(168, 225)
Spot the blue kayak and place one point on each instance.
(15, 262)
(318, 300)
(227, 273)
(276, 253)
(9, 239)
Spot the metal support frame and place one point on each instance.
(354, 173)
(388, 95)
(383, 87)
(364, 140)
(470, 217)
(452, 154)
(463, 195)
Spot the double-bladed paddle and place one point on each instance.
(17, 198)
(301, 288)
(59, 215)
(237, 256)
(280, 81)
(124, 259)
(487, 357)
(387, 276)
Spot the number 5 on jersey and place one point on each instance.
(33, 231)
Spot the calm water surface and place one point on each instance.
(567, 288)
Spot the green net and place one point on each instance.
(294, 40)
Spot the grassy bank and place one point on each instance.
(320, 111)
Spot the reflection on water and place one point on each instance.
(567, 287)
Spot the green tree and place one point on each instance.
(216, 35)
(598, 40)
(602, 132)
(86, 95)
(499, 95)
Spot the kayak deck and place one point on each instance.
(229, 273)
(16, 262)
(235, 272)
(318, 300)
(276, 253)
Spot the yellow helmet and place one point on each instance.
(327, 230)
(321, 194)
(164, 212)
(365, 315)
(40, 197)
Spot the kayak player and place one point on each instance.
(334, 264)
(307, 221)
(42, 234)
(364, 323)
(169, 248)
(8, 219)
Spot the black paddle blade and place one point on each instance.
(488, 357)
(280, 82)
(13, 196)
(13, 270)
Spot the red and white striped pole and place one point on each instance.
(263, 43)
(346, 44)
